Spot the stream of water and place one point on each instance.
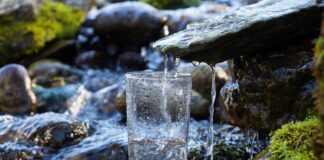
(210, 137)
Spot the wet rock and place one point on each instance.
(48, 129)
(177, 20)
(60, 135)
(129, 23)
(20, 151)
(216, 40)
(271, 89)
(16, 95)
(131, 61)
(47, 72)
(54, 99)
(18, 9)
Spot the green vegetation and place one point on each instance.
(294, 140)
(171, 4)
(319, 93)
(54, 21)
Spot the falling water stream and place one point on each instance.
(164, 85)
(210, 135)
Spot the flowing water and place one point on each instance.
(211, 116)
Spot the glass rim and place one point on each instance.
(145, 75)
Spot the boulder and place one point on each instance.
(129, 23)
(16, 95)
(271, 90)
(248, 30)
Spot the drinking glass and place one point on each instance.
(158, 115)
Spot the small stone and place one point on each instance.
(48, 73)
(16, 95)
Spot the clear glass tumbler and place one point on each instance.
(158, 115)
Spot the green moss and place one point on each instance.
(294, 140)
(318, 70)
(54, 21)
(170, 4)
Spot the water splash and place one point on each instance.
(195, 63)
(166, 31)
(164, 85)
(175, 66)
(252, 143)
(209, 154)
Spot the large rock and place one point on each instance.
(16, 95)
(129, 23)
(272, 89)
(248, 30)
(18, 9)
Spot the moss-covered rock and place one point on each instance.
(167, 4)
(294, 140)
(54, 21)
(319, 74)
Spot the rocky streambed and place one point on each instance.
(67, 98)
